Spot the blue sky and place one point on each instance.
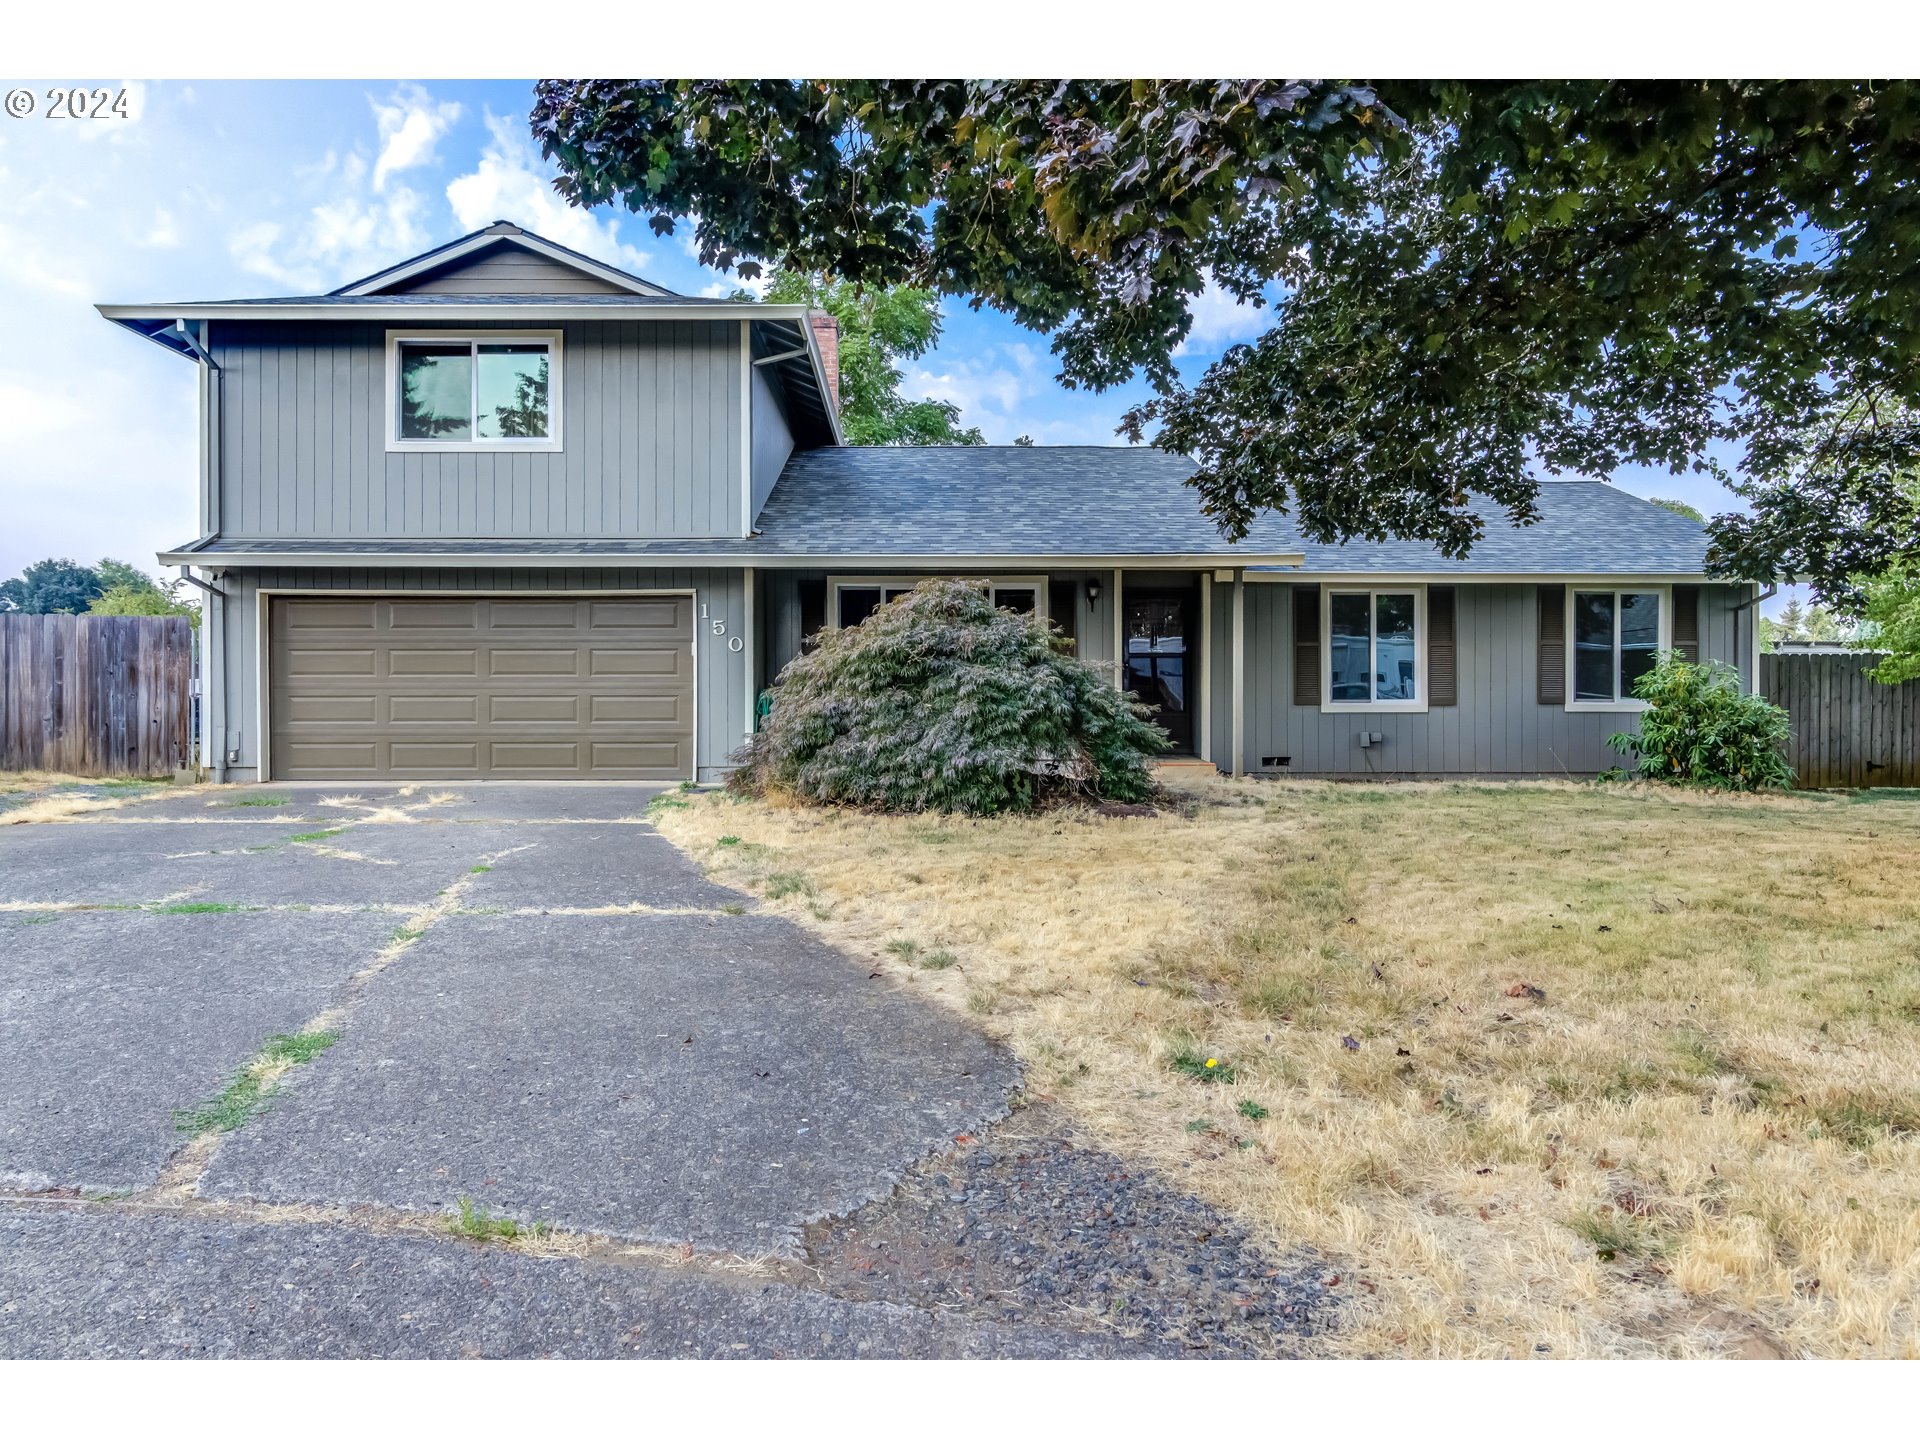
(223, 189)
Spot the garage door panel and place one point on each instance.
(535, 710)
(534, 614)
(492, 686)
(534, 662)
(309, 660)
(448, 660)
(433, 709)
(667, 618)
(433, 615)
(331, 709)
(638, 709)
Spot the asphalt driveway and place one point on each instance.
(521, 1000)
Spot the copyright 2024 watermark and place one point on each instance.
(70, 102)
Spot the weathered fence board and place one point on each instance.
(96, 694)
(1848, 729)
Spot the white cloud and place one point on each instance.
(512, 182)
(1220, 320)
(411, 125)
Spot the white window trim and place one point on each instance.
(1627, 704)
(1037, 583)
(553, 340)
(1417, 705)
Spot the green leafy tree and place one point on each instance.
(1476, 279)
(1893, 623)
(1699, 728)
(879, 328)
(1680, 507)
(939, 700)
(147, 599)
(51, 587)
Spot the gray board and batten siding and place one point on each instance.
(510, 270)
(651, 434)
(1497, 724)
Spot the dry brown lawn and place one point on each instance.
(1541, 1070)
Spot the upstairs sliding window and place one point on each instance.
(474, 392)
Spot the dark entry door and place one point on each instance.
(1160, 645)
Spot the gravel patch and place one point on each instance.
(1029, 1224)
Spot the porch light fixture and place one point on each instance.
(1093, 592)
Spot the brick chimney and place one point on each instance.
(826, 334)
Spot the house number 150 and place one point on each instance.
(734, 642)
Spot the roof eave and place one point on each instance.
(556, 308)
(500, 233)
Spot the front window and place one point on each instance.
(489, 391)
(1373, 648)
(1616, 640)
(854, 600)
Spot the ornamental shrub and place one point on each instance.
(1699, 729)
(941, 701)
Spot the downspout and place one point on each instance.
(213, 668)
(1753, 602)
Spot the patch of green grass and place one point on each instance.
(260, 800)
(1252, 1110)
(687, 787)
(1199, 1127)
(312, 836)
(728, 840)
(939, 960)
(666, 802)
(404, 936)
(783, 883)
(132, 783)
(45, 918)
(733, 907)
(1858, 1124)
(475, 1223)
(198, 907)
(246, 1094)
(907, 950)
(1207, 1069)
(1613, 1234)
(479, 869)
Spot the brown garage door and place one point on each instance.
(494, 688)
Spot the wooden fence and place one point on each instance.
(1848, 729)
(96, 694)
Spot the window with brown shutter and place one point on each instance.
(1306, 644)
(1686, 622)
(1552, 640)
(1443, 683)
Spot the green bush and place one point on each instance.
(1699, 729)
(940, 701)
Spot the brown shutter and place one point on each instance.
(1306, 645)
(1443, 679)
(1686, 622)
(1553, 644)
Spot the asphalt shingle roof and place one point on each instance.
(1124, 500)
(1106, 501)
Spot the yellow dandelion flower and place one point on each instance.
(1211, 1062)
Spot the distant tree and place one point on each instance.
(1026, 440)
(1680, 507)
(879, 327)
(51, 587)
(117, 574)
(146, 599)
(1792, 621)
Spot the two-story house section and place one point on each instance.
(504, 511)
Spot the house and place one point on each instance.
(505, 511)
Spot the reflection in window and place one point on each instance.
(473, 390)
(1592, 646)
(1350, 640)
(1616, 640)
(1372, 646)
(436, 392)
(857, 601)
(1393, 647)
(512, 382)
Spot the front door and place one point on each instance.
(1159, 642)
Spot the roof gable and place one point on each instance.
(502, 259)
